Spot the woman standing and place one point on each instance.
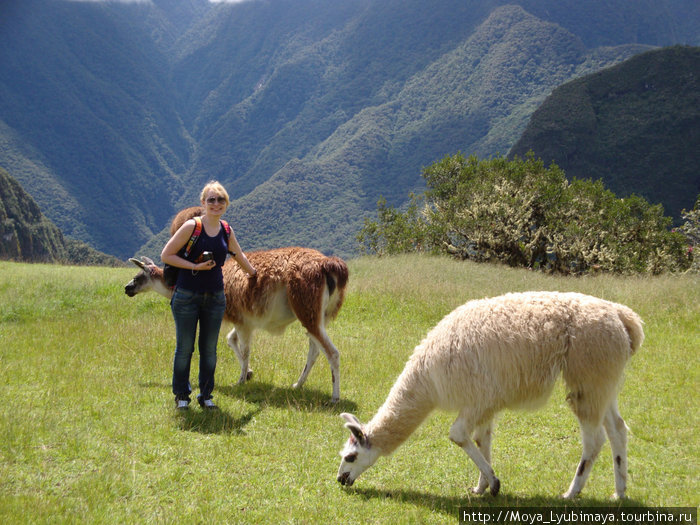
(199, 293)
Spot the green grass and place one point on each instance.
(89, 434)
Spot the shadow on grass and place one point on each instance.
(269, 395)
(215, 421)
(261, 395)
(450, 505)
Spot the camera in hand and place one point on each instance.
(206, 256)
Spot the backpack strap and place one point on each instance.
(195, 235)
(227, 233)
(227, 229)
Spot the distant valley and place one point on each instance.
(113, 115)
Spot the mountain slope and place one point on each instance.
(27, 235)
(87, 99)
(113, 115)
(636, 126)
(475, 98)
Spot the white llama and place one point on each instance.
(507, 352)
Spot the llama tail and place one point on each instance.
(336, 272)
(633, 324)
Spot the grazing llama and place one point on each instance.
(507, 352)
(292, 283)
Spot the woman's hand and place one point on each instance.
(205, 265)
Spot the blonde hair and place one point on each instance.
(215, 187)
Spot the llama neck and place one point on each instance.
(159, 285)
(162, 289)
(407, 405)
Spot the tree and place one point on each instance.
(691, 231)
(523, 214)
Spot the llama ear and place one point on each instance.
(350, 418)
(138, 263)
(149, 262)
(355, 427)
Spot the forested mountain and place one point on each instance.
(113, 115)
(27, 235)
(636, 126)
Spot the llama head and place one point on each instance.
(145, 280)
(357, 455)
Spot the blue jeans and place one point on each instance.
(190, 308)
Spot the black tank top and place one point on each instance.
(206, 280)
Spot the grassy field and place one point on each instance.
(89, 433)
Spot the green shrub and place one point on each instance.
(691, 231)
(523, 214)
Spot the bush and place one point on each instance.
(522, 214)
(691, 231)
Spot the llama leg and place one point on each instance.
(240, 342)
(333, 357)
(593, 438)
(459, 434)
(482, 438)
(309, 308)
(616, 429)
(310, 360)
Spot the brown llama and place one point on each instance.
(291, 283)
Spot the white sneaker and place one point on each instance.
(207, 404)
(182, 404)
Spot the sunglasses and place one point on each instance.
(213, 200)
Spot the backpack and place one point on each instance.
(170, 273)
